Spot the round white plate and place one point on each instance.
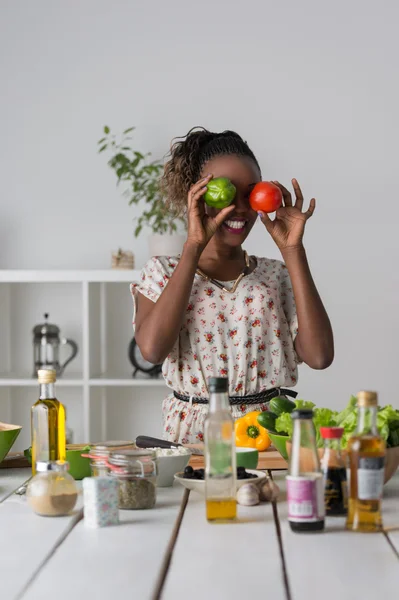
(198, 485)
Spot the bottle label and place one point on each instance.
(335, 490)
(305, 497)
(370, 478)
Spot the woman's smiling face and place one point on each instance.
(244, 174)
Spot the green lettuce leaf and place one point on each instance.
(340, 418)
(323, 417)
(284, 424)
(304, 404)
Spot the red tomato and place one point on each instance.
(266, 197)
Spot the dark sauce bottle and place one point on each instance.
(334, 473)
(305, 491)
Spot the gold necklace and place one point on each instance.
(244, 272)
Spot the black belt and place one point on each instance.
(250, 399)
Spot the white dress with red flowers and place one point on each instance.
(247, 336)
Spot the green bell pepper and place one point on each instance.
(220, 192)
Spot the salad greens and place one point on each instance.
(387, 421)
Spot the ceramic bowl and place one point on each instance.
(8, 435)
(79, 467)
(197, 485)
(247, 457)
(168, 466)
(280, 443)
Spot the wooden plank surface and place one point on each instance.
(225, 561)
(271, 459)
(122, 561)
(27, 538)
(15, 460)
(10, 480)
(390, 512)
(338, 563)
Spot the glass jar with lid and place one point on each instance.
(52, 492)
(136, 471)
(99, 455)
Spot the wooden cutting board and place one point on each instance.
(270, 459)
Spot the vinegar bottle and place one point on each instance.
(220, 457)
(305, 490)
(47, 423)
(366, 454)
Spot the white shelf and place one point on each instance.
(69, 276)
(16, 380)
(106, 381)
(94, 308)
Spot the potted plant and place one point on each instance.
(141, 178)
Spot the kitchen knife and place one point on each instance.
(144, 441)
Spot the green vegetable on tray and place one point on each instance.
(387, 421)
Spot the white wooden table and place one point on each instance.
(171, 552)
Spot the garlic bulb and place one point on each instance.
(248, 495)
(269, 491)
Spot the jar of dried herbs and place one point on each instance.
(99, 454)
(136, 471)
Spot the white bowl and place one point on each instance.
(198, 485)
(168, 466)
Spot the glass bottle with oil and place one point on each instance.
(47, 423)
(220, 456)
(366, 455)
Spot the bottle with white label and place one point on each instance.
(366, 456)
(305, 490)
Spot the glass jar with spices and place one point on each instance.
(136, 471)
(52, 492)
(334, 472)
(100, 453)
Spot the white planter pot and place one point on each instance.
(165, 244)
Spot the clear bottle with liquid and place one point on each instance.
(305, 490)
(47, 423)
(366, 457)
(220, 457)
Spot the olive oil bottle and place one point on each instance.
(47, 423)
(366, 454)
(220, 457)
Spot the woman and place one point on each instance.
(214, 311)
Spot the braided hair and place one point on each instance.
(187, 157)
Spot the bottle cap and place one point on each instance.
(46, 375)
(302, 413)
(367, 399)
(331, 433)
(59, 465)
(218, 384)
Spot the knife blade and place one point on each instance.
(144, 441)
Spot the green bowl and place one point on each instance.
(79, 467)
(8, 435)
(279, 442)
(247, 457)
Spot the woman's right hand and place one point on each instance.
(201, 226)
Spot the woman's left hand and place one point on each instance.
(288, 227)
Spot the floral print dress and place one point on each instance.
(247, 337)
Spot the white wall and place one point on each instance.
(311, 85)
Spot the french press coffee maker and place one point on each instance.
(46, 344)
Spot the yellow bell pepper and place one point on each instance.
(249, 434)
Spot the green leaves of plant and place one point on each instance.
(142, 182)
